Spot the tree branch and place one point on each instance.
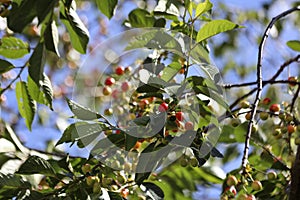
(260, 84)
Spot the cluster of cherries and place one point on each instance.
(134, 107)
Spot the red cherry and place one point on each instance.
(119, 70)
(109, 81)
(115, 94)
(231, 189)
(179, 116)
(275, 107)
(143, 103)
(137, 145)
(166, 133)
(291, 128)
(189, 126)
(266, 101)
(125, 86)
(124, 192)
(163, 107)
(181, 71)
(293, 79)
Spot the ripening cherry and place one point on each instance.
(181, 71)
(163, 107)
(248, 116)
(90, 180)
(119, 70)
(251, 197)
(231, 180)
(125, 86)
(97, 188)
(143, 103)
(245, 104)
(263, 115)
(291, 128)
(235, 122)
(266, 101)
(86, 168)
(274, 107)
(246, 197)
(137, 145)
(231, 189)
(292, 79)
(115, 94)
(179, 116)
(106, 91)
(108, 112)
(271, 175)
(256, 185)
(109, 81)
(125, 192)
(194, 162)
(183, 162)
(297, 141)
(128, 69)
(189, 126)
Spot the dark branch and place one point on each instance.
(260, 83)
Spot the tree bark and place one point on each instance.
(295, 178)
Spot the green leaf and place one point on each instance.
(141, 18)
(168, 7)
(200, 54)
(152, 191)
(5, 66)
(294, 45)
(39, 84)
(115, 195)
(21, 15)
(155, 39)
(12, 47)
(51, 37)
(12, 181)
(170, 71)
(203, 7)
(81, 112)
(216, 153)
(81, 131)
(26, 105)
(43, 8)
(215, 27)
(36, 165)
(107, 7)
(42, 94)
(37, 63)
(78, 32)
(142, 121)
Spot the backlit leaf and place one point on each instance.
(294, 45)
(107, 7)
(215, 27)
(79, 34)
(12, 47)
(26, 105)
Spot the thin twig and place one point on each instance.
(271, 81)
(296, 95)
(12, 81)
(229, 86)
(260, 84)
